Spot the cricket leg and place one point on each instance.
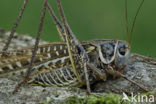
(100, 74)
(14, 28)
(58, 24)
(76, 51)
(35, 47)
(118, 74)
(60, 29)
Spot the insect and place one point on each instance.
(70, 62)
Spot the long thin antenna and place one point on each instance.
(5, 48)
(126, 17)
(132, 29)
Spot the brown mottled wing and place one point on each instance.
(20, 59)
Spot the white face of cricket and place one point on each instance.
(122, 54)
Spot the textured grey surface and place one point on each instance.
(139, 69)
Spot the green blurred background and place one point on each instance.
(89, 19)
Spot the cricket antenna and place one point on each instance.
(132, 28)
(126, 17)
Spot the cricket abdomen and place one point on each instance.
(58, 77)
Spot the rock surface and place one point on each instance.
(139, 69)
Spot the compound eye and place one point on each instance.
(122, 51)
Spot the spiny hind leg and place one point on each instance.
(35, 47)
(61, 31)
(14, 28)
(58, 24)
(113, 72)
(78, 55)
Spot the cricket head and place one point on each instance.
(122, 54)
(114, 53)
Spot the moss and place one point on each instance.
(97, 99)
(94, 99)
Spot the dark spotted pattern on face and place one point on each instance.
(108, 50)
